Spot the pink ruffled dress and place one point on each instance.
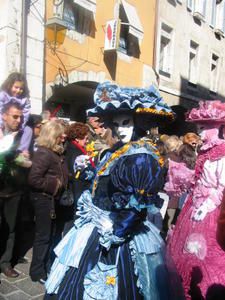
(198, 257)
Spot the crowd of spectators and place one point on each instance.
(58, 156)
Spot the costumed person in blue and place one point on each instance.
(113, 252)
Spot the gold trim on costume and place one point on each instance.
(155, 111)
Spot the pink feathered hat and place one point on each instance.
(212, 111)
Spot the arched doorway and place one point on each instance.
(72, 101)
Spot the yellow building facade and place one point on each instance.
(84, 50)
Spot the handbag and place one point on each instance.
(101, 283)
(67, 198)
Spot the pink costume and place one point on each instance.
(198, 257)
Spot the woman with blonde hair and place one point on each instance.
(48, 179)
(172, 143)
(50, 136)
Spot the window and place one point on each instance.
(124, 31)
(69, 15)
(214, 73)
(78, 18)
(58, 8)
(200, 8)
(190, 4)
(130, 30)
(211, 7)
(165, 55)
(223, 17)
(219, 24)
(193, 63)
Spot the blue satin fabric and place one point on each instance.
(139, 175)
(72, 288)
(126, 222)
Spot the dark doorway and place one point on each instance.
(72, 101)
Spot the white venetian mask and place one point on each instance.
(124, 127)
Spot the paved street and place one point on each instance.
(21, 288)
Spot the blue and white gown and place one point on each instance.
(113, 216)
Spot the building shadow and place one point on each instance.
(110, 60)
(179, 126)
(190, 95)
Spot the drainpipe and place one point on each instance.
(44, 62)
(156, 32)
(23, 38)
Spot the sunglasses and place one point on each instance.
(15, 117)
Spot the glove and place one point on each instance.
(206, 207)
(89, 175)
(80, 163)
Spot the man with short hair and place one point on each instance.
(10, 187)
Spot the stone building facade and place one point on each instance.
(190, 50)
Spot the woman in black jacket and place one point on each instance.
(48, 178)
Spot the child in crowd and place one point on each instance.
(15, 88)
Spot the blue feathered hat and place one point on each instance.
(111, 98)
